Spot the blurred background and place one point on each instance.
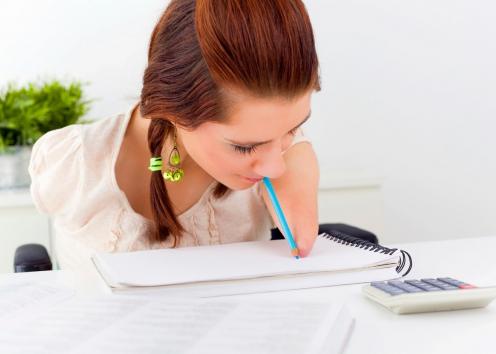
(403, 127)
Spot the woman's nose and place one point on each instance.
(271, 163)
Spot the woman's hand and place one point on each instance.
(297, 193)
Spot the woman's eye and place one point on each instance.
(251, 149)
(244, 149)
(293, 132)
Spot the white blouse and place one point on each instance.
(73, 181)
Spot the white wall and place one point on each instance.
(408, 92)
(102, 42)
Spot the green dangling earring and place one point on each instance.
(175, 173)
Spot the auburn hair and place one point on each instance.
(201, 49)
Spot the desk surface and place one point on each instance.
(377, 330)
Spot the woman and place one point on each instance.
(227, 86)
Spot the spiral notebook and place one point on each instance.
(250, 267)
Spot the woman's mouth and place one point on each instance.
(253, 180)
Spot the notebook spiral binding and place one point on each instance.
(345, 239)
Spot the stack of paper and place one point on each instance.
(128, 324)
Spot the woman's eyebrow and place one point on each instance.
(268, 141)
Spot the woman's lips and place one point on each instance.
(254, 180)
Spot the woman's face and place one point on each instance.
(250, 144)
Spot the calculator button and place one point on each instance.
(404, 286)
(467, 286)
(422, 285)
(387, 288)
(459, 284)
(440, 284)
(451, 281)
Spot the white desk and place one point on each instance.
(379, 331)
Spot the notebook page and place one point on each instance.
(232, 261)
(130, 325)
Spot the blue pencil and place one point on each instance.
(280, 216)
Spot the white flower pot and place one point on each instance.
(14, 164)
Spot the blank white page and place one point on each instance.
(241, 260)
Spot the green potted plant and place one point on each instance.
(28, 112)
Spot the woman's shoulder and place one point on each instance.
(103, 133)
(66, 162)
(63, 142)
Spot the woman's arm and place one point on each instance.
(297, 193)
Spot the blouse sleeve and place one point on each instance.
(54, 169)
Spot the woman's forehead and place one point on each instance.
(253, 121)
(268, 112)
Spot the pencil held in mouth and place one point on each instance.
(280, 216)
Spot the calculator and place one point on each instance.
(427, 295)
